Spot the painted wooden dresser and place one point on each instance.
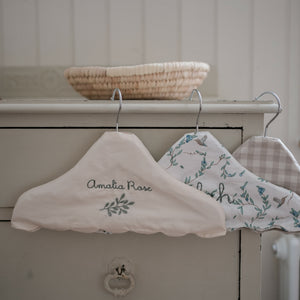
(42, 139)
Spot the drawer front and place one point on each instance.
(69, 265)
(72, 266)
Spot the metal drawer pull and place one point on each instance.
(120, 282)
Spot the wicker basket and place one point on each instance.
(163, 81)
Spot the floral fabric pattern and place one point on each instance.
(249, 201)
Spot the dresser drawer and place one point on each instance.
(69, 265)
(40, 141)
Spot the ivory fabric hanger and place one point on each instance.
(269, 157)
(117, 187)
(199, 160)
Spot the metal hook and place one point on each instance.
(279, 108)
(200, 107)
(120, 105)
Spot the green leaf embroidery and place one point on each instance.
(224, 172)
(118, 206)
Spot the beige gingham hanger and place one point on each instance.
(269, 158)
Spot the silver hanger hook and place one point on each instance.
(200, 106)
(278, 111)
(120, 105)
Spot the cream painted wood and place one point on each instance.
(250, 265)
(269, 29)
(234, 59)
(1, 35)
(91, 35)
(6, 213)
(271, 56)
(58, 265)
(41, 145)
(162, 31)
(198, 45)
(19, 32)
(270, 266)
(134, 106)
(56, 32)
(198, 38)
(126, 43)
(78, 120)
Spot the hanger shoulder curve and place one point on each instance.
(269, 158)
(118, 187)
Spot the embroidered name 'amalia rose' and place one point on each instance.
(114, 185)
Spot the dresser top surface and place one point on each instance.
(210, 105)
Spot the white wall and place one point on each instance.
(251, 45)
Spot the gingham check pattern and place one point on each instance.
(270, 159)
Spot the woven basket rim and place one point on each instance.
(136, 70)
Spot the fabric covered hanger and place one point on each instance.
(269, 157)
(199, 160)
(117, 187)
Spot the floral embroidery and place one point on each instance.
(242, 173)
(262, 180)
(190, 137)
(295, 215)
(225, 173)
(118, 206)
(200, 172)
(206, 166)
(174, 152)
(254, 207)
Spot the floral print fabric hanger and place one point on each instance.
(199, 160)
